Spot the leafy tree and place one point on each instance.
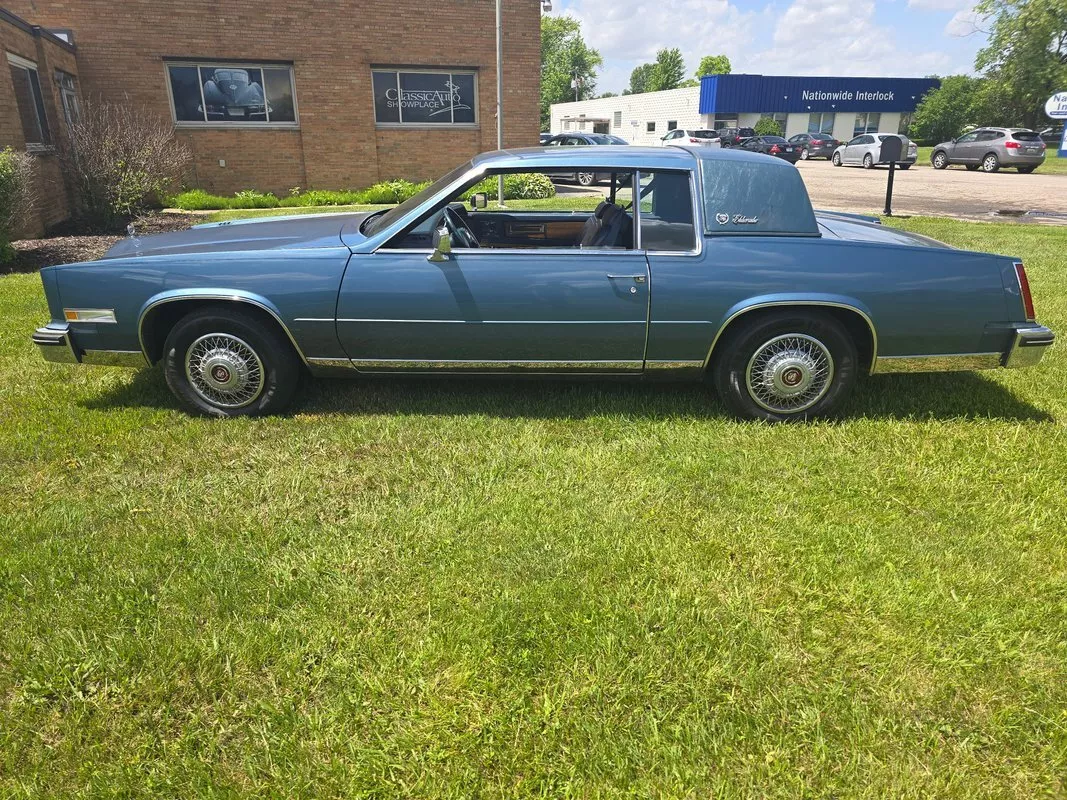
(609, 94)
(688, 82)
(767, 126)
(641, 78)
(564, 54)
(713, 65)
(669, 69)
(1026, 56)
(945, 112)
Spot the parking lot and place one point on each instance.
(953, 192)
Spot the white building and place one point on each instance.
(841, 107)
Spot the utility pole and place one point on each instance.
(499, 97)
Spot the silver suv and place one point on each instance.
(989, 149)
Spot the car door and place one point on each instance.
(554, 310)
(967, 149)
(854, 150)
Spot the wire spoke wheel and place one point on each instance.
(224, 370)
(790, 373)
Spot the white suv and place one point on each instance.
(681, 136)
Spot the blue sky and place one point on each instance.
(902, 38)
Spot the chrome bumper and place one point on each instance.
(1028, 345)
(56, 345)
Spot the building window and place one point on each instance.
(725, 122)
(68, 92)
(904, 125)
(672, 125)
(566, 124)
(821, 123)
(232, 94)
(650, 127)
(30, 102)
(866, 122)
(425, 97)
(616, 119)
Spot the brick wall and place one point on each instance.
(332, 45)
(49, 55)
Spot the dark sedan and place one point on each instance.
(773, 146)
(583, 178)
(815, 145)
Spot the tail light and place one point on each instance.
(774, 148)
(1011, 145)
(817, 142)
(1024, 291)
(694, 141)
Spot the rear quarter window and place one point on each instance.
(746, 197)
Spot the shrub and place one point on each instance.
(766, 126)
(520, 186)
(18, 196)
(199, 200)
(121, 159)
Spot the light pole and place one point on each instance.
(499, 98)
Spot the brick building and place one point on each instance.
(275, 94)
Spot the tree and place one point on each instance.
(669, 69)
(609, 94)
(767, 126)
(1026, 56)
(641, 79)
(945, 112)
(565, 56)
(713, 65)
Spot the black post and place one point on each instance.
(889, 191)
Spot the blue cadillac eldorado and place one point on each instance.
(699, 264)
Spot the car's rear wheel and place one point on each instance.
(836, 160)
(972, 167)
(586, 178)
(229, 363)
(940, 160)
(990, 163)
(868, 161)
(903, 166)
(785, 366)
(1026, 170)
(804, 154)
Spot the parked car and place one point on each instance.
(773, 146)
(780, 307)
(690, 136)
(734, 137)
(989, 149)
(582, 177)
(865, 150)
(815, 145)
(546, 138)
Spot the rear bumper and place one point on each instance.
(1028, 346)
(56, 344)
(1011, 159)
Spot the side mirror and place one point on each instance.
(479, 200)
(442, 246)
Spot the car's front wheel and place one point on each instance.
(804, 154)
(229, 363)
(836, 160)
(868, 161)
(586, 178)
(940, 160)
(785, 366)
(990, 163)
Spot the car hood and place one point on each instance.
(294, 232)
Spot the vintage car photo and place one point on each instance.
(231, 94)
(700, 264)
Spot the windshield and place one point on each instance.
(746, 132)
(1025, 136)
(383, 220)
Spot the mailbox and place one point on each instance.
(892, 149)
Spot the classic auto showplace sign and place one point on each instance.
(423, 98)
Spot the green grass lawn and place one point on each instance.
(1053, 164)
(459, 589)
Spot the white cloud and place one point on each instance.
(940, 5)
(964, 23)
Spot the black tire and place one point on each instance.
(939, 159)
(1026, 170)
(835, 159)
(810, 332)
(868, 161)
(804, 154)
(972, 167)
(904, 166)
(990, 163)
(251, 359)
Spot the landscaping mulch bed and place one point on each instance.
(64, 249)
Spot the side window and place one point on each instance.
(30, 102)
(667, 212)
(857, 140)
(970, 137)
(988, 136)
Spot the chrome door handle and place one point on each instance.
(639, 278)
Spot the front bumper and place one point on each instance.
(1028, 346)
(57, 345)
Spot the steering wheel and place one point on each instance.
(459, 229)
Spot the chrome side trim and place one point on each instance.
(1028, 346)
(408, 365)
(115, 358)
(942, 362)
(503, 321)
(666, 365)
(227, 297)
(777, 303)
(343, 363)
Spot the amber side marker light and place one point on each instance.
(89, 314)
(1024, 291)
